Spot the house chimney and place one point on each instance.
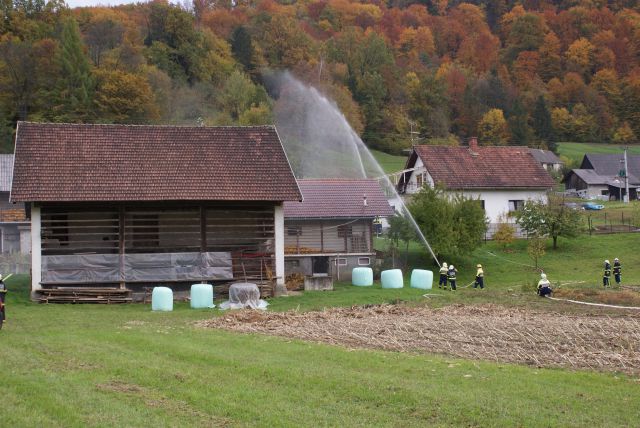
(473, 144)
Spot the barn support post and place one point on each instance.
(36, 250)
(121, 246)
(278, 216)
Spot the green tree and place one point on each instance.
(453, 224)
(242, 47)
(401, 229)
(552, 219)
(527, 34)
(74, 89)
(536, 248)
(542, 123)
(521, 132)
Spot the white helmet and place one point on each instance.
(543, 275)
(444, 264)
(451, 267)
(606, 261)
(616, 260)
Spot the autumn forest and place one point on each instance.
(531, 72)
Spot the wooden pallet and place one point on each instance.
(84, 295)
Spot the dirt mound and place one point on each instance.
(488, 332)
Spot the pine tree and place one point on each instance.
(542, 124)
(521, 132)
(242, 47)
(73, 92)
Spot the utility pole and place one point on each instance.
(412, 132)
(626, 178)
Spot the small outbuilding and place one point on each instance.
(134, 206)
(602, 176)
(331, 231)
(549, 160)
(14, 227)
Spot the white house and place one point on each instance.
(502, 178)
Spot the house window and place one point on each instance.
(419, 180)
(341, 262)
(516, 205)
(482, 204)
(294, 230)
(345, 232)
(364, 261)
(604, 192)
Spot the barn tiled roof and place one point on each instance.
(69, 162)
(339, 198)
(483, 167)
(6, 172)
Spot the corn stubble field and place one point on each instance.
(484, 332)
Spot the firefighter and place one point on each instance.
(607, 274)
(442, 283)
(544, 286)
(479, 277)
(617, 271)
(451, 274)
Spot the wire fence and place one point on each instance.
(608, 223)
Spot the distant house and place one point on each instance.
(601, 176)
(502, 178)
(15, 234)
(152, 205)
(547, 159)
(331, 231)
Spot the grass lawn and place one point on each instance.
(389, 163)
(578, 261)
(94, 365)
(576, 151)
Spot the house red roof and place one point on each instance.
(70, 162)
(339, 198)
(483, 167)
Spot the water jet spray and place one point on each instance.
(321, 144)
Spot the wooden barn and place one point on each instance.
(137, 206)
(331, 231)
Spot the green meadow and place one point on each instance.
(99, 365)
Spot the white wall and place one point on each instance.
(496, 202)
(278, 218)
(419, 169)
